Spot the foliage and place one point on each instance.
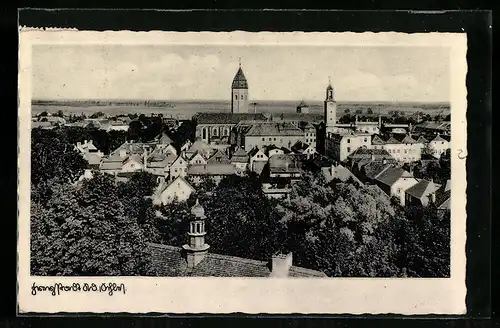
(85, 231)
(53, 157)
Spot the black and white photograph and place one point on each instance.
(236, 155)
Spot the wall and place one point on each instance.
(239, 100)
(399, 188)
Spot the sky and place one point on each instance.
(187, 72)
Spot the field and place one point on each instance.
(186, 109)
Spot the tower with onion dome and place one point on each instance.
(196, 248)
(239, 92)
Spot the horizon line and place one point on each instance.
(250, 102)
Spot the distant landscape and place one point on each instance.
(187, 108)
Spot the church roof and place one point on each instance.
(170, 262)
(227, 118)
(239, 81)
(329, 87)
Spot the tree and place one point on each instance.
(59, 113)
(369, 111)
(347, 111)
(53, 157)
(86, 232)
(359, 111)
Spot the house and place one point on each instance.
(90, 153)
(394, 181)
(186, 145)
(263, 134)
(338, 172)
(274, 150)
(159, 163)
(284, 166)
(117, 126)
(422, 193)
(340, 146)
(218, 158)
(297, 119)
(177, 190)
(257, 160)
(443, 128)
(93, 159)
(201, 147)
(178, 168)
(439, 145)
(132, 163)
(310, 135)
(195, 259)
(240, 159)
(301, 148)
(215, 171)
(112, 164)
(403, 148)
(197, 159)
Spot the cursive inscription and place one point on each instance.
(58, 288)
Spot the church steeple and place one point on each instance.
(196, 248)
(330, 108)
(239, 92)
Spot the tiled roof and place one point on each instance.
(407, 139)
(240, 156)
(362, 152)
(239, 81)
(390, 175)
(212, 169)
(302, 117)
(422, 139)
(227, 118)
(218, 158)
(443, 200)
(438, 138)
(253, 151)
(200, 145)
(92, 158)
(170, 262)
(338, 172)
(274, 129)
(111, 165)
(392, 140)
(300, 146)
(376, 140)
(421, 189)
(161, 188)
(373, 169)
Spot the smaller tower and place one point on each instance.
(330, 108)
(196, 248)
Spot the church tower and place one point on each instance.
(239, 93)
(196, 248)
(330, 109)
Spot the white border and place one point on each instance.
(253, 295)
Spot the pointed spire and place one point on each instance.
(239, 62)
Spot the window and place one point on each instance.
(175, 170)
(365, 139)
(406, 151)
(263, 139)
(235, 97)
(348, 149)
(348, 140)
(274, 139)
(270, 139)
(241, 96)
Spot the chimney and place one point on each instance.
(145, 159)
(85, 142)
(379, 121)
(280, 265)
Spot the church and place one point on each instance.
(216, 127)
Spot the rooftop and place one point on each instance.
(274, 129)
(170, 262)
(392, 174)
(421, 189)
(239, 81)
(227, 118)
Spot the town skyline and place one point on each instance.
(204, 73)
